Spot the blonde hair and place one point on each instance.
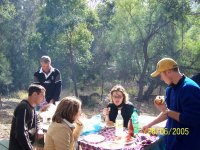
(119, 88)
(67, 109)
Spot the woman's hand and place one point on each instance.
(106, 111)
(81, 118)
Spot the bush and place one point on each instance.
(90, 100)
(94, 99)
(131, 90)
(20, 94)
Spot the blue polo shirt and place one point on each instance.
(184, 97)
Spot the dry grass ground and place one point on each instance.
(6, 113)
(8, 106)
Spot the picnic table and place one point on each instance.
(109, 134)
(4, 144)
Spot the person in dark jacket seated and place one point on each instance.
(25, 125)
(119, 99)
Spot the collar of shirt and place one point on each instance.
(28, 103)
(47, 75)
(69, 124)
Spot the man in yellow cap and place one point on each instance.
(181, 108)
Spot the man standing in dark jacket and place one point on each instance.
(50, 79)
(25, 124)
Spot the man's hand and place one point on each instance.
(52, 101)
(145, 128)
(45, 107)
(161, 107)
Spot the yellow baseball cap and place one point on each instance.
(163, 65)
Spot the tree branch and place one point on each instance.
(189, 68)
(195, 13)
(156, 30)
(137, 26)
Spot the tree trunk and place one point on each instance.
(102, 86)
(73, 67)
(75, 85)
(0, 102)
(160, 90)
(152, 85)
(146, 60)
(143, 74)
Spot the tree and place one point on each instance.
(115, 41)
(101, 54)
(190, 45)
(15, 33)
(7, 12)
(65, 35)
(78, 42)
(5, 74)
(138, 24)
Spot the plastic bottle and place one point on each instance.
(135, 122)
(119, 125)
(130, 128)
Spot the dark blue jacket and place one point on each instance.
(185, 99)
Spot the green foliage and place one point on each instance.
(7, 10)
(93, 101)
(5, 72)
(81, 39)
(143, 32)
(64, 28)
(119, 41)
(191, 46)
(131, 91)
(20, 94)
(15, 34)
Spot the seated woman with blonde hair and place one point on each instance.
(119, 100)
(66, 127)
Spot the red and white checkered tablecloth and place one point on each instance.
(109, 134)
